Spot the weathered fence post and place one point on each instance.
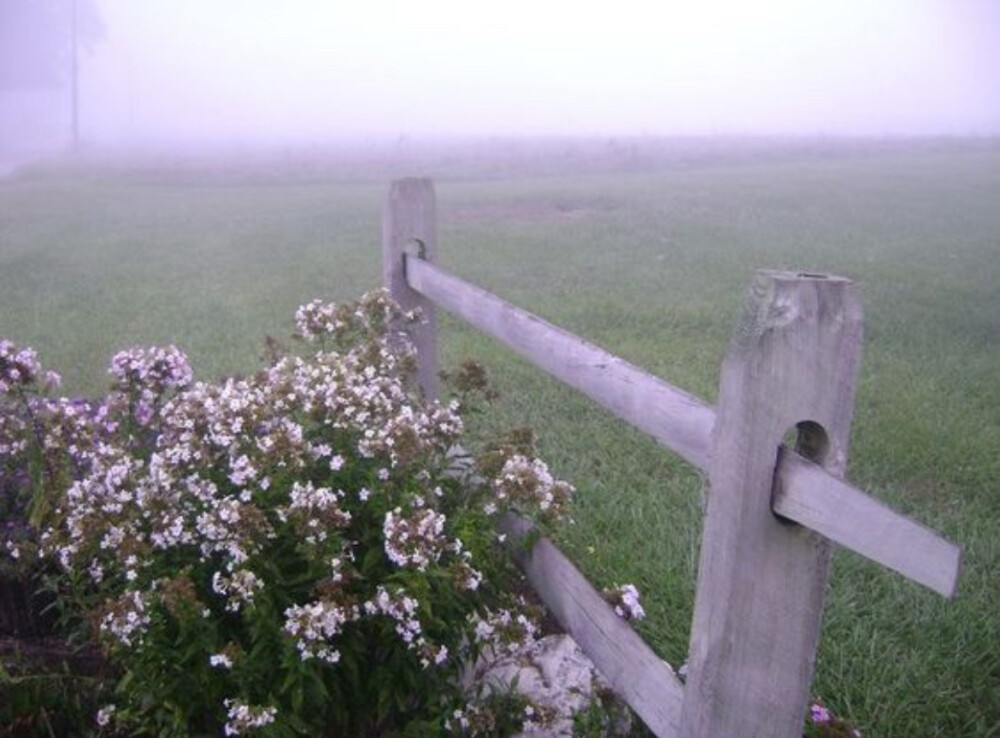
(409, 226)
(792, 365)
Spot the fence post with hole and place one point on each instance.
(791, 366)
(409, 226)
(772, 510)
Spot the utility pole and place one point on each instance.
(74, 72)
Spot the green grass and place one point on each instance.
(649, 263)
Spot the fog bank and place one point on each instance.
(250, 71)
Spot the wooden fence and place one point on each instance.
(772, 511)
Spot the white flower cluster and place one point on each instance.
(303, 465)
(142, 376)
(414, 541)
(480, 719)
(315, 511)
(318, 318)
(400, 607)
(525, 484)
(127, 620)
(105, 714)
(21, 378)
(238, 589)
(419, 540)
(373, 314)
(20, 368)
(12, 550)
(506, 632)
(464, 719)
(241, 717)
(625, 601)
(630, 608)
(14, 435)
(248, 431)
(314, 625)
(220, 661)
(157, 369)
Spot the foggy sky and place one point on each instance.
(249, 70)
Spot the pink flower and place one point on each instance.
(819, 714)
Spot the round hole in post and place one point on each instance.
(416, 247)
(810, 441)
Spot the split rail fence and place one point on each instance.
(772, 512)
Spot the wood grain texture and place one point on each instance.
(676, 419)
(637, 675)
(409, 224)
(804, 493)
(758, 607)
(792, 364)
(809, 495)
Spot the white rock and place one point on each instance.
(553, 673)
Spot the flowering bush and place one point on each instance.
(292, 553)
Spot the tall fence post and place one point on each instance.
(409, 227)
(792, 365)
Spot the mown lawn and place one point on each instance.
(650, 263)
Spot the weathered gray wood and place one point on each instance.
(803, 493)
(676, 419)
(684, 424)
(409, 225)
(637, 675)
(809, 495)
(761, 581)
(758, 609)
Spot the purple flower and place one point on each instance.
(819, 714)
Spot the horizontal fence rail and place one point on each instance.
(677, 420)
(646, 682)
(792, 363)
(805, 492)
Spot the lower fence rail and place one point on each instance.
(772, 510)
(645, 681)
(805, 493)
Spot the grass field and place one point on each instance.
(647, 259)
